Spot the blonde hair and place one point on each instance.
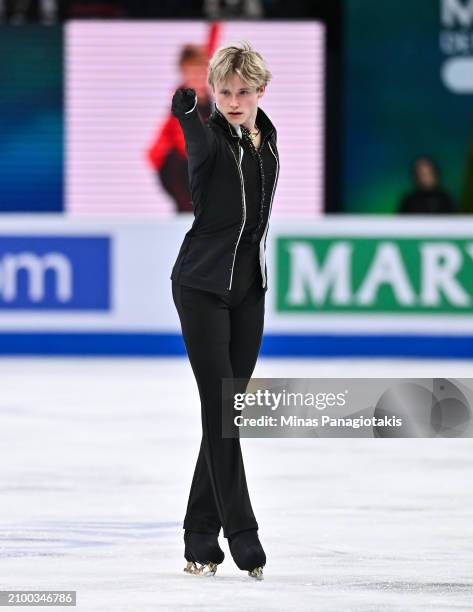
(240, 59)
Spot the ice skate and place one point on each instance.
(203, 569)
(202, 553)
(257, 573)
(248, 553)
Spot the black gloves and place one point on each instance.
(182, 101)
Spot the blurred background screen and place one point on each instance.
(408, 93)
(31, 119)
(125, 152)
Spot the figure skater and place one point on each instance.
(219, 281)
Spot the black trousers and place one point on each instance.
(223, 338)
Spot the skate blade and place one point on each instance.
(256, 573)
(204, 569)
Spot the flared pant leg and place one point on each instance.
(222, 338)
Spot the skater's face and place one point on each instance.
(238, 101)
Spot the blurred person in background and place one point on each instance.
(167, 153)
(17, 12)
(257, 9)
(428, 197)
(218, 287)
(230, 9)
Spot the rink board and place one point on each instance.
(337, 286)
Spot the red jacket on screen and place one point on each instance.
(170, 137)
(167, 155)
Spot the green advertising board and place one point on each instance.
(424, 275)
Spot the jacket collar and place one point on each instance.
(262, 121)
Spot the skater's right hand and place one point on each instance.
(182, 101)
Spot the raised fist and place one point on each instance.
(182, 101)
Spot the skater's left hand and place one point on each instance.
(182, 101)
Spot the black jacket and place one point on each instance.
(206, 259)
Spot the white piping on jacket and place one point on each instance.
(190, 111)
(262, 258)
(244, 208)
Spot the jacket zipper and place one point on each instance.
(244, 207)
(262, 258)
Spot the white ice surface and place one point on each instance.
(96, 462)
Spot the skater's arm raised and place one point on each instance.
(200, 140)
